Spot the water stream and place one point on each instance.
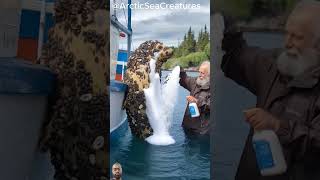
(188, 158)
(160, 102)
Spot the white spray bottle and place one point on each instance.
(269, 153)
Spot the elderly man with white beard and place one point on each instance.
(286, 84)
(199, 88)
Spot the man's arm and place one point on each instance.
(248, 66)
(185, 81)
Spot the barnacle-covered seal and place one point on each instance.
(76, 133)
(137, 79)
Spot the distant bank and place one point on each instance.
(189, 69)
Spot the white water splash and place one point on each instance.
(160, 102)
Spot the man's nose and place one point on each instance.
(289, 42)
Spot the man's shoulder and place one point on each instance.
(190, 82)
(193, 80)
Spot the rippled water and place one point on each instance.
(188, 158)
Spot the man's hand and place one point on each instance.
(260, 119)
(191, 99)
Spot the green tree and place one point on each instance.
(203, 39)
(191, 52)
(179, 51)
(200, 41)
(207, 50)
(190, 43)
(206, 37)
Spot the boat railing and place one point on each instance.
(120, 63)
(8, 39)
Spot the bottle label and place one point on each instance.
(192, 110)
(263, 154)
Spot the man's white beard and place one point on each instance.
(294, 66)
(204, 81)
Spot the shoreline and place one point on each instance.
(194, 69)
(261, 29)
(264, 24)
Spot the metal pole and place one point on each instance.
(118, 25)
(41, 27)
(129, 28)
(114, 10)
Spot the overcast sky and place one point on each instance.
(166, 25)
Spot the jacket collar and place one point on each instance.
(204, 87)
(282, 85)
(278, 90)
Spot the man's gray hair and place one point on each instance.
(117, 165)
(312, 7)
(206, 63)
